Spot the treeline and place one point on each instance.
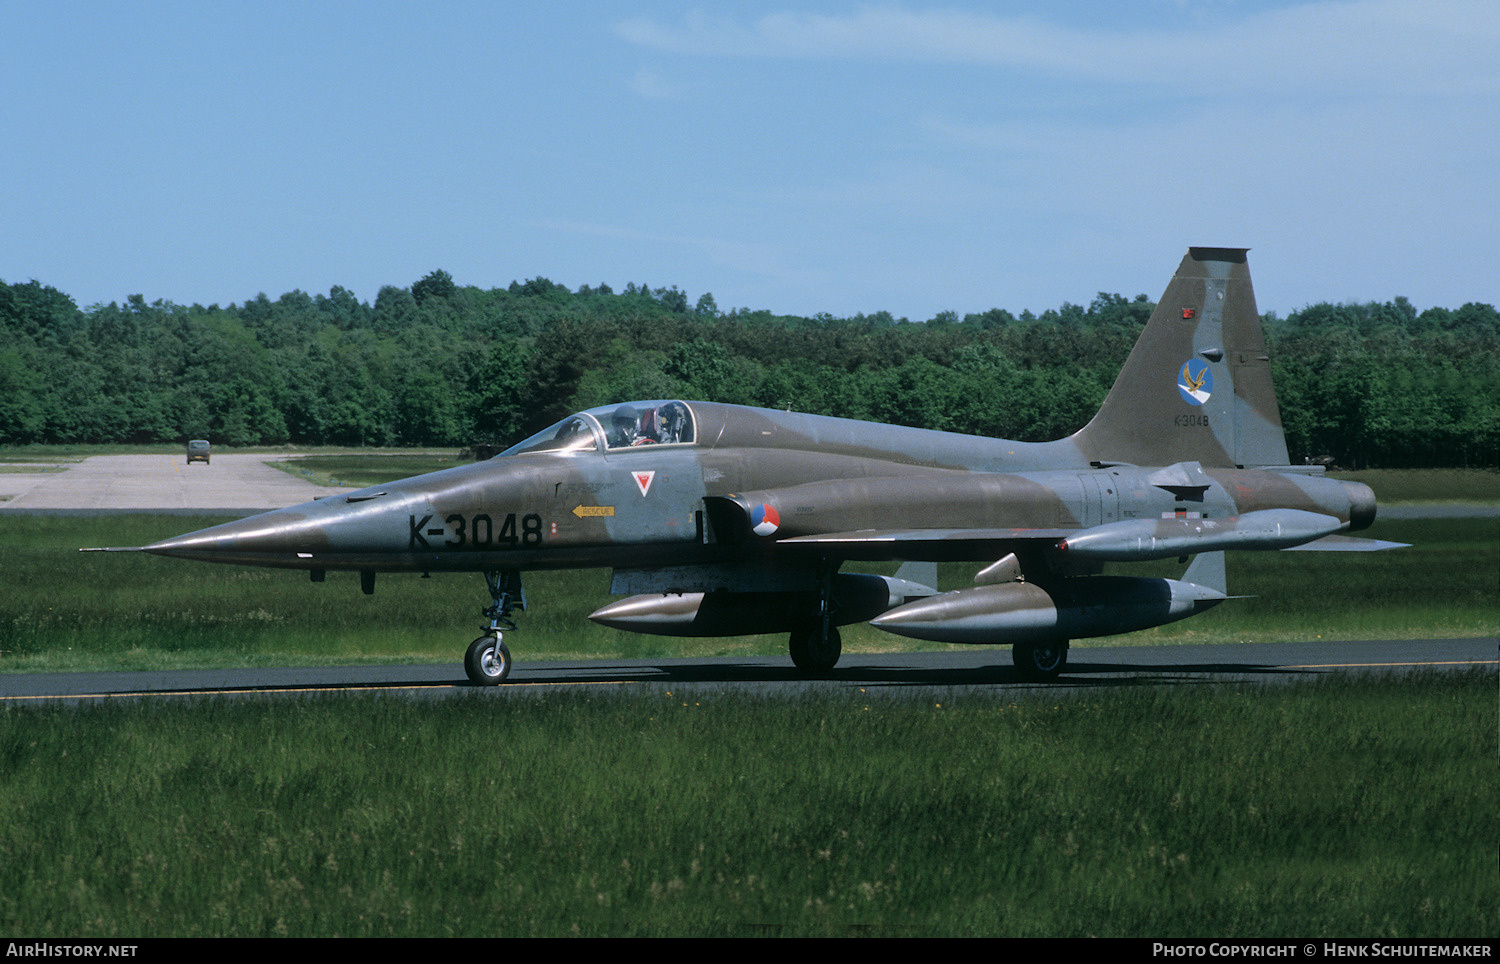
(442, 364)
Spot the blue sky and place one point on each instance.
(834, 157)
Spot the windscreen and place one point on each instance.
(627, 426)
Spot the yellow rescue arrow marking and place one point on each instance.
(593, 511)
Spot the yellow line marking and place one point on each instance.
(1450, 662)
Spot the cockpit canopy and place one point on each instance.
(614, 427)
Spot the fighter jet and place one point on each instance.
(726, 520)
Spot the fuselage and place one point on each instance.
(577, 495)
(722, 520)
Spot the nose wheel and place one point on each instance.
(487, 662)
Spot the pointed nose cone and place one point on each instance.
(280, 537)
(397, 526)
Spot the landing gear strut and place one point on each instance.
(816, 645)
(488, 660)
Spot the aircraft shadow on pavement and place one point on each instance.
(1082, 674)
(756, 677)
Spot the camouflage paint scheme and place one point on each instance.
(724, 519)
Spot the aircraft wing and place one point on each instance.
(1127, 540)
(933, 544)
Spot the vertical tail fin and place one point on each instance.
(1197, 385)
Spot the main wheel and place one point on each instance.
(1040, 661)
(488, 661)
(814, 654)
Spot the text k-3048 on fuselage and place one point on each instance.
(480, 530)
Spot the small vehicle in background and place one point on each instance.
(197, 451)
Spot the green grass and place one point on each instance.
(1442, 585)
(1346, 807)
(1395, 486)
(368, 468)
(11, 468)
(65, 610)
(1341, 808)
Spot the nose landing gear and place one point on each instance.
(487, 662)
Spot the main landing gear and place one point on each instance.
(1040, 662)
(816, 645)
(816, 649)
(488, 660)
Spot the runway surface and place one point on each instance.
(231, 485)
(940, 674)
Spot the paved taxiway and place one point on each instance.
(980, 670)
(231, 484)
